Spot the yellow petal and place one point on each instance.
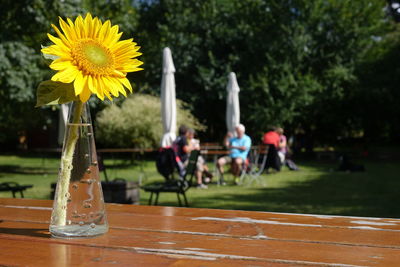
(79, 27)
(119, 74)
(56, 51)
(128, 56)
(108, 95)
(79, 83)
(114, 40)
(104, 30)
(65, 76)
(60, 64)
(131, 66)
(84, 96)
(99, 92)
(58, 42)
(88, 25)
(103, 88)
(96, 27)
(62, 36)
(72, 27)
(122, 44)
(126, 83)
(112, 36)
(110, 86)
(118, 86)
(120, 55)
(66, 29)
(91, 85)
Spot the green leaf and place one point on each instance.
(53, 93)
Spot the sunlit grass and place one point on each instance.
(316, 188)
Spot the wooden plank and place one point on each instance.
(212, 223)
(159, 224)
(199, 247)
(315, 221)
(325, 220)
(48, 254)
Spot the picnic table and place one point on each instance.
(14, 187)
(159, 236)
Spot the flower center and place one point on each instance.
(92, 58)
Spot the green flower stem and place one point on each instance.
(66, 166)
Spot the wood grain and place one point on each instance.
(162, 236)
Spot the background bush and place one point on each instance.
(137, 122)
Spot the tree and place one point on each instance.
(24, 26)
(23, 31)
(376, 99)
(295, 59)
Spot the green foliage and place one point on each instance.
(376, 100)
(18, 76)
(137, 122)
(324, 66)
(22, 32)
(295, 60)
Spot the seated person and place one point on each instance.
(283, 151)
(272, 138)
(182, 147)
(239, 147)
(201, 166)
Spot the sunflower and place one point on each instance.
(90, 55)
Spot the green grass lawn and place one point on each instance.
(316, 188)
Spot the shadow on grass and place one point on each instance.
(373, 193)
(25, 170)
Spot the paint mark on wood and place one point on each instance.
(365, 228)
(28, 208)
(196, 249)
(249, 220)
(167, 243)
(372, 223)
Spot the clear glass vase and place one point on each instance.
(78, 209)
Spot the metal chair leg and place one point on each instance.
(179, 199)
(186, 201)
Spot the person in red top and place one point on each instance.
(271, 138)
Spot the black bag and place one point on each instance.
(291, 165)
(121, 191)
(165, 162)
(273, 160)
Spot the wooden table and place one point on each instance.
(159, 236)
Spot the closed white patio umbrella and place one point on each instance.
(232, 104)
(168, 101)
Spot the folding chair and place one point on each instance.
(256, 165)
(173, 185)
